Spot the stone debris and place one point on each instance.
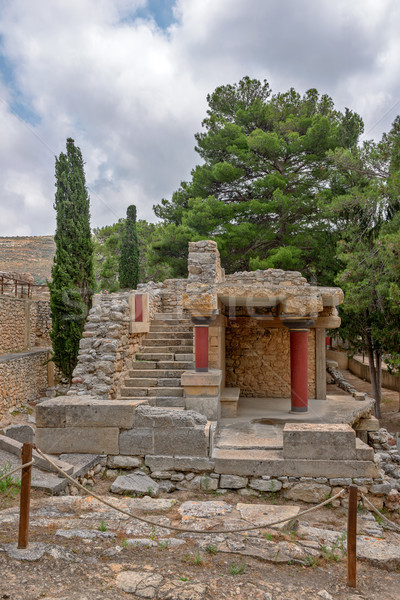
(204, 509)
(137, 483)
(143, 585)
(308, 492)
(263, 515)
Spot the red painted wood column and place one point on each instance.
(138, 308)
(299, 363)
(201, 347)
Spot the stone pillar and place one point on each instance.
(299, 363)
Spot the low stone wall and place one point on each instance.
(258, 359)
(361, 370)
(23, 377)
(24, 324)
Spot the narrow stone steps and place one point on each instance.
(141, 365)
(169, 334)
(186, 365)
(170, 317)
(142, 356)
(186, 357)
(164, 327)
(177, 402)
(175, 348)
(142, 392)
(155, 373)
(153, 382)
(172, 342)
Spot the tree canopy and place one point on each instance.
(265, 176)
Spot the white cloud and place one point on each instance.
(133, 95)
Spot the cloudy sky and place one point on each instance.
(128, 79)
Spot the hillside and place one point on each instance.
(28, 255)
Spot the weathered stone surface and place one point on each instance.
(137, 483)
(124, 462)
(143, 585)
(148, 416)
(263, 515)
(208, 406)
(308, 492)
(233, 482)
(368, 424)
(190, 441)
(149, 504)
(204, 509)
(91, 440)
(381, 489)
(136, 442)
(179, 463)
(33, 553)
(265, 485)
(318, 441)
(20, 433)
(182, 590)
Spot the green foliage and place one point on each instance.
(129, 252)
(264, 185)
(72, 282)
(103, 526)
(9, 486)
(237, 568)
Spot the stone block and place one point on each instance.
(195, 464)
(340, 481)
(209, 407)
(136, 483)
(233, 482)
(313, 493)
(265, 485)
(316, 441)
(188, 441)
(368, 424)
(101, 413)
(51, 413)
(84, 440)
(136, 442)
(148, 416)
(363, 451)
(20, 433)
(124, 462)
(263, 515)
(159, 463)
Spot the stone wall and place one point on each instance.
(24, 324)
(204, 264)
(107, 349)
(258, 359)
(23, 378)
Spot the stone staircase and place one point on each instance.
(167, 351)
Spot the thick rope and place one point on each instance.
(15, 470)
(396, 527)
(183, 529)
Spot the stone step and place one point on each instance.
(171, 348)
(170, 402)
(170, 316)
(186, 357)
(167, 342)
(141, 365)
(170, 334)
(134, 393)
(156, 373)
(152, 382)
(158, 327)
(163, 391)
(186, 365)
(142, 356)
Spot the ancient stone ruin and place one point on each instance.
(215, 381)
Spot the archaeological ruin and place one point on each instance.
(213, 382)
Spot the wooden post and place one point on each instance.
(25, 498)
(352, 537)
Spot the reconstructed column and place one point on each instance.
(299, 363)
(201, 347)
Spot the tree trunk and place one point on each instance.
(375, 374)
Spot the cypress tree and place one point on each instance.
(129, 258)
(72, 282)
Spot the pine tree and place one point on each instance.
(72, 282)
(129, 258)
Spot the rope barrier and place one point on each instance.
(17, 469)
(183, 529)
(395, 527)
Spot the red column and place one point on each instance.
(299, 370)
(201, 347)
(138, 308)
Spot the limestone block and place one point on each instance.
(136, 442)
(308, 492)
(209, 407)
(148, 416)
(194, 464)
(160, 463)
(368, 424)
(265, 485)
(233, 482)
(189, 441)
(319, 441)
(211, 378)
(137, 483)
(363, 451)
(124, 462)
(100, 413)
(330, 468)
(90, 440)
(20, 433)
